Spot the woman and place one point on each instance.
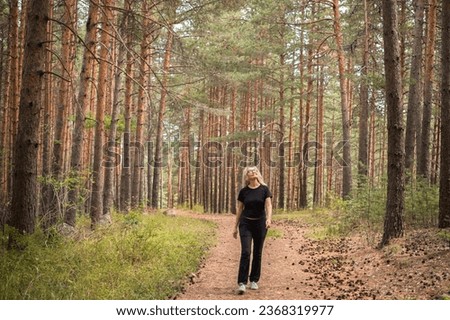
(253, 218)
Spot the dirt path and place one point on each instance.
(295, 267)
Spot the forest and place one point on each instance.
(114, 109)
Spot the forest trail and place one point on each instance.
(296, 267)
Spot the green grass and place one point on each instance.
(137, 257)
(322, 222)
(274, 233)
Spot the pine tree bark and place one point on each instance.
(319, 164)
(63, 105)
(347, 163)
(290, 180)
(96, 211)
(414, 95)
(444, 184)
(423, 163)
(281, 154)
(436, 151)
(138, 172)
(48, 121)
(393, 221)
(10, 101)
(162, 110)
(81, 108)
(363, 159)
(24, 195)
(305, 126)
(234, 180)
(302, 199)
(373, 139)
(111, 164)
(125, 180)
(15, 75)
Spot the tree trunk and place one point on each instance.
(281, 155)
(423, 163)
(24, 202)
(414, 95)
(319, 164)
(363, 159)
(444, 185)
(138, 173)
(111, 164)
(81, 108)
(162, 110)
(98, 173)
(234, 186)
(48, 121)
(436, 151)
(17, 30)
(125, 181)
(10, 101)
(373, 139)
(302, 199)
(347, 165)
(305, 126)
(54, 195)
(290, 180)
(393, 222)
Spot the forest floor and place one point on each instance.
(296, 267)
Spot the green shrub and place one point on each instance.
(422, 204)
(365, 211)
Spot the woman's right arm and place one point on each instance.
(240, 207)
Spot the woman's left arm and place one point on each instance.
(268, 205)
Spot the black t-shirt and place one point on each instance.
(254, 201)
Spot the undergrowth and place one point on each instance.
(365, 211)
(136, 257)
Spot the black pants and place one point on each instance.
(251, 230)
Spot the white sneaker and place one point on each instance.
(254, 286)
(241, 288)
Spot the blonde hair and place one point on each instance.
(245, 180)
